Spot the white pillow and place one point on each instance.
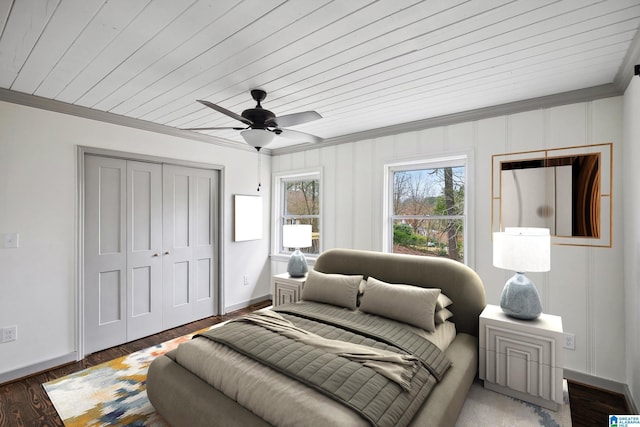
(336, 289)
(443, 302)
(442, 315)
(409, 304)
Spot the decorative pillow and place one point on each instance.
(409, 304)
(443, 302)
(442, 315)
(336, 289)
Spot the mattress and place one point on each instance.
(271, 395)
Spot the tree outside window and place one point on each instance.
(428, 211)
(301, 205)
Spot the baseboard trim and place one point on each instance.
(36, 368)
(246, 304)
(604, 383)
(632, 402)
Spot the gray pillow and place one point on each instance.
(336, 289)
(409, 304)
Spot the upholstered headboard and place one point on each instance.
(457, 281)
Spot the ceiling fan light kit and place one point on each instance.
(262, 125)
(257, 138)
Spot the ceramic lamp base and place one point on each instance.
(520, 298)
(297, 266)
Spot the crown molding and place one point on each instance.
(581, 95)
(564, 98)
(34, 101)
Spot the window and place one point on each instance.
(426, 208)
(298, 200)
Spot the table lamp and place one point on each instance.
(522, 249)
(296, 236)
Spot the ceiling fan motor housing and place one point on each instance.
(259, 117)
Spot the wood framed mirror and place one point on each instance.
(567, 190)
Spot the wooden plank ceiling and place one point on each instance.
(362, 64)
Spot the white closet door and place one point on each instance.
(149, 252)
(189, 270)
(105, 253)
(144, 246)
(206, 267)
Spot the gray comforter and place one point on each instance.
(378, 399)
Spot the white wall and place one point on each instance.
(38, 188)
(38, 199)
(585, 285)
(632, 232)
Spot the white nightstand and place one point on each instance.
(522, 358)
(286, 289)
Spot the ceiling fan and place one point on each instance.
(263, 125)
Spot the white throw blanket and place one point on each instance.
(399, 368)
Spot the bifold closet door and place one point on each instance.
(144, 247)
(105, 254)
(189, 266)
(149, 253)
(122, 251)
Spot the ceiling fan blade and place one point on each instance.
(225, 111)
(300, 136)
(296, 118)
(228, 128)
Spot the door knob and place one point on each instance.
(167, 253)
(156, 254)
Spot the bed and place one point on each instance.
(185, 385)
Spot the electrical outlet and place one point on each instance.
(246, 280)
(10, 240)
(10, 333)
(569, 341)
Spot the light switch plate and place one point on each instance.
(10, 240)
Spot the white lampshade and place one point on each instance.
(522, 249)
(257, 138)
(296, 236)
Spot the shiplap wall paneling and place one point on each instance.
(580, 277)
(363, 197)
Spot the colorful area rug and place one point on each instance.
(114, 394)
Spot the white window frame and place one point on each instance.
(278, 205)
(431, 162)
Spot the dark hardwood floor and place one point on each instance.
(25, 403)
(591, 406)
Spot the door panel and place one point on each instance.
(104, 253)
(180, 284)
(141, 291)
(204, 257)
(203, 275)
(203, 213)
(141, 209)
(181, 210)
(187, 231)
(109, 297)
(110, 204)
(144, 242)
(177, 254)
